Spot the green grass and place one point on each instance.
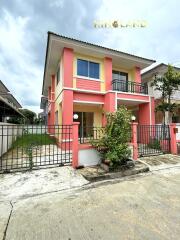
(33, 139)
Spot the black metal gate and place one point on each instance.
(34, 146)
(153, 140)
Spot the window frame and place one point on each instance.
(88, 77)
(58, 75)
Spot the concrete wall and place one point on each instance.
(178, 134)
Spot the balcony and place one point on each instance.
(128, 86)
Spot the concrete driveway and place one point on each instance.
(142, 207)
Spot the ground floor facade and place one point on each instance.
(89, 108)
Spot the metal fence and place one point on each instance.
(35, 146)
(153, 139)
(88, 134)
(128, 86)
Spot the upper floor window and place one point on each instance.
(120, 75)
(87, 69)
(58, 76)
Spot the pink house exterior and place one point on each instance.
(114, 79)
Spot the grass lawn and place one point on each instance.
(33, 139)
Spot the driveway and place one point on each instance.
(143, 207)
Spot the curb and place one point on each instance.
(113, 175)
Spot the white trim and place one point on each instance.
(134, 100)
(66, 140)
(84, 90)
(116, 101)
(87, 102)
(88, 78)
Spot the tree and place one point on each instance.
(29, 117)
(113, 144)
(167, 85)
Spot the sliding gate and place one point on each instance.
(26, 147)
(153, 140)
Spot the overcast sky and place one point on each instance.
(24, 25)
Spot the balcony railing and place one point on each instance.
(133, 87)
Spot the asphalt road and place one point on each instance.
(142, 207)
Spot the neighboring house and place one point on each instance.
(147, 78)
(84, 80)
(9, 106)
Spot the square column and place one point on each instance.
(68, 67)
(109, 105)
(147, 113)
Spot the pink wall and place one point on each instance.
(109, 104)
(88, 84)
(68, 67)
(133, 96)
(88, 97)
(108, 73)
(137, 75)
(144, 113)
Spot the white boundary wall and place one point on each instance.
(8, 134)
(178, 134)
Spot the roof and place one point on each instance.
(7, 109)
(5, 93)
(109, 51)
(158, 67)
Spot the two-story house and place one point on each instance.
(147, 78)
(9, 106)
(82, 81)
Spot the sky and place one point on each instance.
(24, 25)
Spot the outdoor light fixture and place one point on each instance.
(133, 118)
(75, 116)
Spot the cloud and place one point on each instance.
(24, 26)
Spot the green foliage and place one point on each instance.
(167, 85)
(29, 117)
(113, 145)
(155, 144)
(37, 139)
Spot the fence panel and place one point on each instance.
(87, 134)
(34, 146)
(153, 139)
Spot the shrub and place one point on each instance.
(113, 145)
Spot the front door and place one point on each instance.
(86, 120)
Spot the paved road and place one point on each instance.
(145, 207)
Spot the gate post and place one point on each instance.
(134, 140)
(173, 144)
(75, 143)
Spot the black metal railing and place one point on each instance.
(87, 134)
(34, 146)
(128, 86)
(153, 139)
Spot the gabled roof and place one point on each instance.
(157, 68)
(5, 93)
(79, 44)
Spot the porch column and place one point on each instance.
(49, 103)
(173, 143)
(147, 113)
(53, 99)
(67, 107)
(134, 140)
(68, 67)
(109, 105)
(75, 144)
